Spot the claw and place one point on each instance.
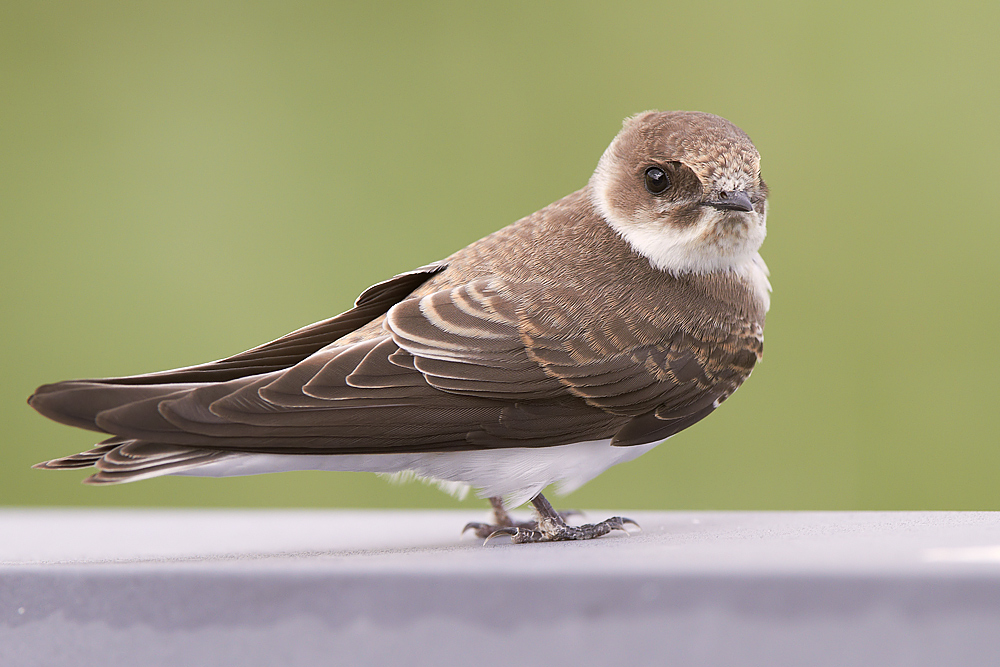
(502, 531)
(472, 525)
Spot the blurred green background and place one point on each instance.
(181, 181)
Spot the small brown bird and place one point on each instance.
(574, 339)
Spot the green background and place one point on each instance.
(181, 181)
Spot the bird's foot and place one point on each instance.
(547, 530)
(550, 527)
(503, 521)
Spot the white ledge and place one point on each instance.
(155, 587)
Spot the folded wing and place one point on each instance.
(487, 364)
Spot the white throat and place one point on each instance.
(717, 242)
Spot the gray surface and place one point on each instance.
(332, 587)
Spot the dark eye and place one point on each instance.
(656, 180)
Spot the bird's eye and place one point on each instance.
(657, 180)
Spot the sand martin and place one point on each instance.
(579, 337)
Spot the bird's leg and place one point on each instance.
(500, 516)
(552, 527)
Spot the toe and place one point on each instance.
(472, 525)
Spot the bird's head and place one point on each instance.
(683, 188)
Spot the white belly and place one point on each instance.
(516, 474)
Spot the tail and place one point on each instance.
(142, 454)
(118, 460)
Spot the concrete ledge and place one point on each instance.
(372, 587)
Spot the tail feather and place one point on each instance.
(120, 460)
(84, 459)
(109, 473)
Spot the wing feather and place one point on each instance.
(484, 364)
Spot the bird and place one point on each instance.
(577, 338)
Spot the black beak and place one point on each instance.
(731, 201)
